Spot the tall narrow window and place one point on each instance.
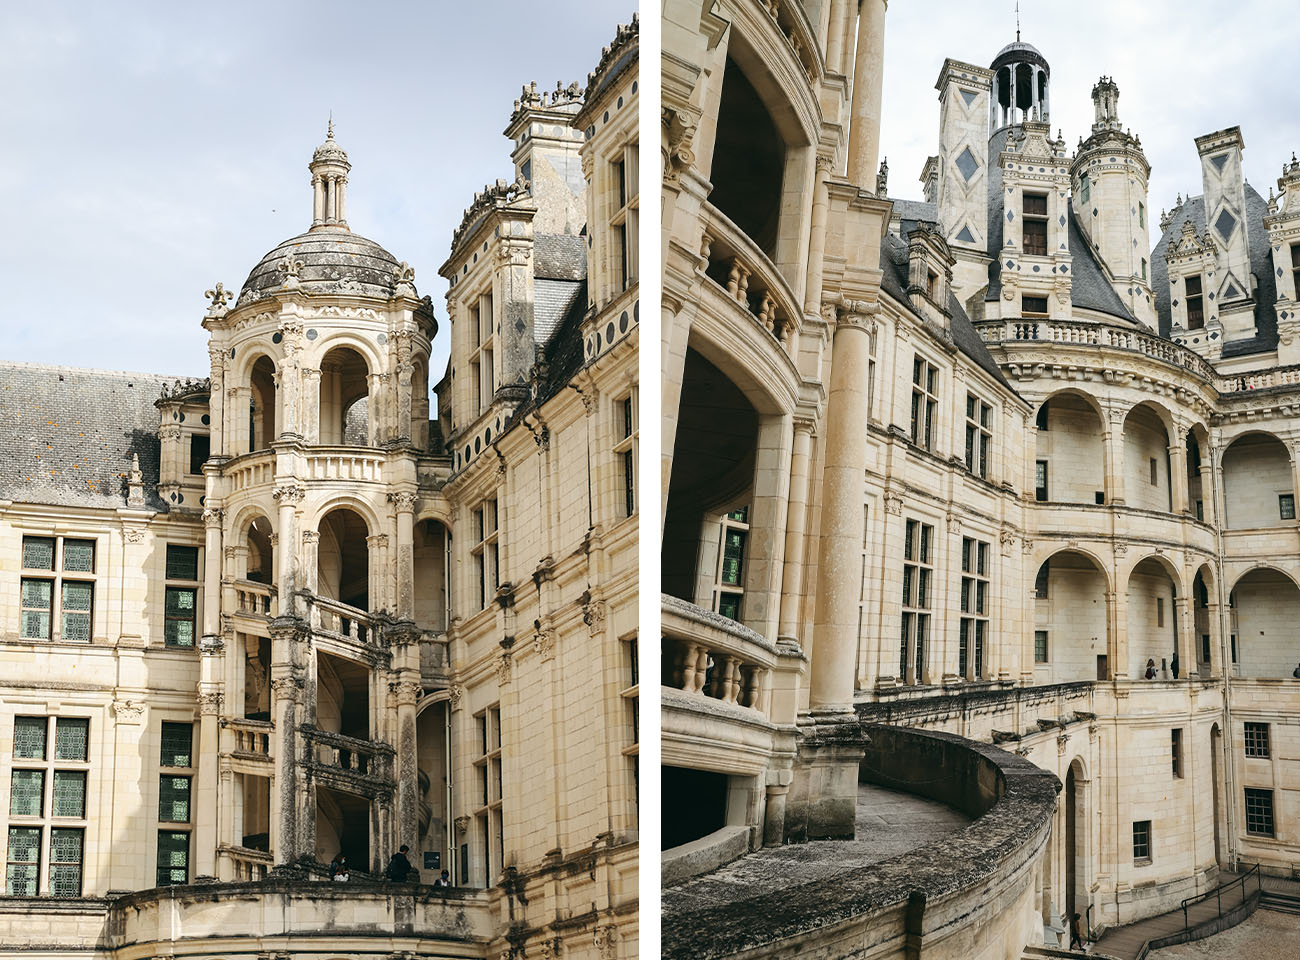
(1041, 580)
(1040, 480)
(925, 401)
(1142, 216)
(1040, 646)
(175, 777)
(487, 771)
(1154, 472)
(729, 586)
(1295, 267)
(1085, 189)
(482, 326)
(630, 695)
(918, 572)
(200, 449)
(1176, 747)
(181, 598)
(973, 626)
(979, 435)
(1195, 302)
(625, 451)
(623, 220)
(1035, 224)
(486, 552)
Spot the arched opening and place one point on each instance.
(1070, 453)
(1198, 499)
(420, 404)
(1024, 88)
(1152, 620)
(262, 405)
(434, 822)
(343, 558)
(342, 696)
(706, 526)
(431, 552)
(1265, 610)
(260, 555)
(1076, 843)
(1146, 460)
(1258, 489)
(1205, 613)
(344, 391)
(1070, 636)
(343, 826)
(748, 161)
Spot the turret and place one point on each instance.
(546, 156)
(1021, 77)
(1109, 178)
(962, 189)
(329, 183)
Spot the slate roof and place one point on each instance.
(559, 281)
(1261, 265)
(1089, 288)
(893, 262)
(67, 434)
(552, 301)
(559, 256)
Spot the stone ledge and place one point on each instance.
(705, 854)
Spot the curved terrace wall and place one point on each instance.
(935, 901)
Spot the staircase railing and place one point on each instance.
(1217, 893)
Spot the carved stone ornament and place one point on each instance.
(1062, 741)
(893, 504)
(678, 132)
(211, 645)
(606, 938)
(551, 949)
(212, 516)
(404, 502)
(462, 824)
(593, 615)
(288, 494)
(454, 694)
(134, 535)
(404, 692)
(503, 669)
(210, 703)
(311, 536)
(128, 711)
(219, 296)
(1008, 540)
(544, 643)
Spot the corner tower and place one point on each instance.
(1109, 178)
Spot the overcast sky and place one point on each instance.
(148, 150)
(1183, 68)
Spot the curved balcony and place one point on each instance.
(925, 901)
(250, 471)
(1011, 332)
(1104, 522)
(778, 35)
(334, 919)
(350, 464)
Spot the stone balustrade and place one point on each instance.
(249, 866)
(253, 599)
(707, 655)
(736, 264)
(250, 470)
(252, 738)
(365, 758)
(339, 619)
(355, 464)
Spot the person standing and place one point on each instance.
(1173, 665)
(339, 863)
(399, 868)
(1151, 669)
(444, 880)
(1076, 938)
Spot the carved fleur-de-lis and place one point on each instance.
(289, 266)
(219, 295)
(404, 273)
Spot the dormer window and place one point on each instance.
(1033, 307)
(1035, 224)
(932, 285)
(1085, 189)
(1195, 303)
(482, 368)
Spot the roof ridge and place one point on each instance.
(60, 368)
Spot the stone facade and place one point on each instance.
(278, 614)
(959, 463)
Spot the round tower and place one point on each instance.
(1021, 82)
(1109, 178)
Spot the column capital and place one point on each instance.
(403, 501)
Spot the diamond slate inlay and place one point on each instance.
(968, 96)
(964, 235)
(1225, 224)
(967, 163)
(1219, 162)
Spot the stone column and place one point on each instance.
(796, 518)
(288, 680)
(216, 422)
(774, 815)
(1207, 493)
(311, 405)
(374, 409)
(1185, 636)
(290, 393)
(1212, 626)
(1178, 477)
(317, 201)
(405, 506)
(310, 569)
(1117, 634)
(212, 518)
(823, 798)
(378, 578)
(1113, 443)
(403, 695)
(205, 787)
(817, 242)
(288, 496)
(868, 78)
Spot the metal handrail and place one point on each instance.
(1217, 893)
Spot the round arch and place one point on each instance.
(435, 509)
(1070, 619)
(345, 501)
(1078, 394)
(248, 513)
(1248, 433)
(1257, 567)
(1163, 561)
(1161, 412)
(1102, 567)
(247, 358)
(336, 339)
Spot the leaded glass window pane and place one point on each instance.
(24, 861)
(173, 857)
(729, 605)
(29, 738)
(177, 740)
(179, 615)
(174, 799)
(27, 793)
(182, 563)
(733, 556)
(38, 553)
(79, 556)
(69, 793)
(37, 604)
(70, 738)
(65, 862)
(77, 600)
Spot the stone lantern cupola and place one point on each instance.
(1021, 78)
(329, 183)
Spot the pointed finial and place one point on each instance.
(1017, 21)
(329, 133)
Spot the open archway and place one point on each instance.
(1070, 632)
(1070, 456)
(343, 558)
(1265, 608)
(1258, 489)
(345, 413)
(1152, 619)
(262, 405)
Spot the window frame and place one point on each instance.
(489, 774)
(973, 627)
(1286, 506)
(623, 172)
(180, 585)
(730, 521)
(482, 350)
(917, 600)
(925, 401)
(626, 450)
(979, 435)
(171, 827)
(52, 766)
(1256, 740)
(1047, 650)
(1194, 321)
(58, 576)
(1029, 314)
(1143, 844)
(1037, 220)
(1176, 752)
(486, 551)
(1264, 811)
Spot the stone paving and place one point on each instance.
(888, 823)
(1265, 935)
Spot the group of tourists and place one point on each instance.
(399, 869)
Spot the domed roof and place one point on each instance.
(328, 260)
(329, 150)
(1020, 51)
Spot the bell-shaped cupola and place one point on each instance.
(329, 184)
(1021, 82)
